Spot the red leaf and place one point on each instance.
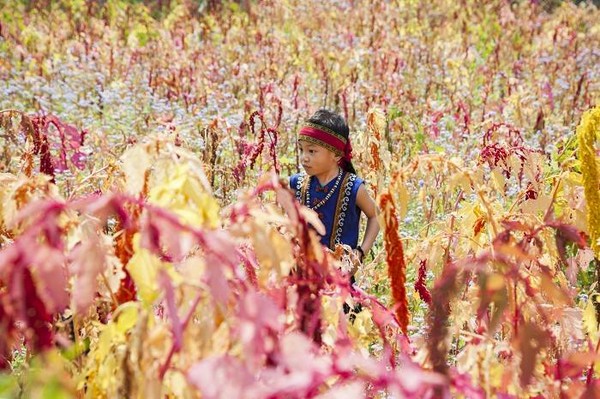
(478, 226)
(421, 285)
(532, 339)
(570, 233)
(38, 318)
(7, 333)
(127, 290)
(68, 141)
(564, 234)
(515, 225)
(31, 310)
(395, 260)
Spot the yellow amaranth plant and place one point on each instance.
(587, 134)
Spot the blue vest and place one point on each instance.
(339, 213)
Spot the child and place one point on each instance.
(330, 186)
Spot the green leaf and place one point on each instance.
(8, 385)
(54, 390)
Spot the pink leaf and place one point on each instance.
(353, 390)
(176, 326)
(260, 321)
(579, 262)
(222, 246)
(300, 354)
(216, 280)
(166, 237)
(42, 214)
(104, 206)
(49, 266)
(462, 383)
(260, 310)
(87, 262)
(221, 377)
(150, 237)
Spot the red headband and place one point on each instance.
(327, 138)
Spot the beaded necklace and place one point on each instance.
(329, 194)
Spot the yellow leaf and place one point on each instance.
(135, 163)
(534, 206)
(177, 384)
(180, 190)
(105, 342)
(589, 319)
(331, 314)
(478, 210)
(191, 270)
(587, 135)
(499, 180)
(403, 197)
(496, 372)
(362, 325)
(274, 257)
(143, 268)
(126, 316)
(495, 282)
(460, 180)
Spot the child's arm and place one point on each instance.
(368, 206)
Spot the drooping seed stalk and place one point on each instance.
(588, 132)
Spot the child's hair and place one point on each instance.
(337, 123)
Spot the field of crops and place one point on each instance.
(150, 248)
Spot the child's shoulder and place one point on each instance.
(355, 179)
(352, 183)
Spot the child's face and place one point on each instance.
(316, 159)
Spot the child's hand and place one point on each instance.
(347, 257)
(356, 261)
(358, 254)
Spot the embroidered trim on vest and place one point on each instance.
(341, 209)
(301, 189)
